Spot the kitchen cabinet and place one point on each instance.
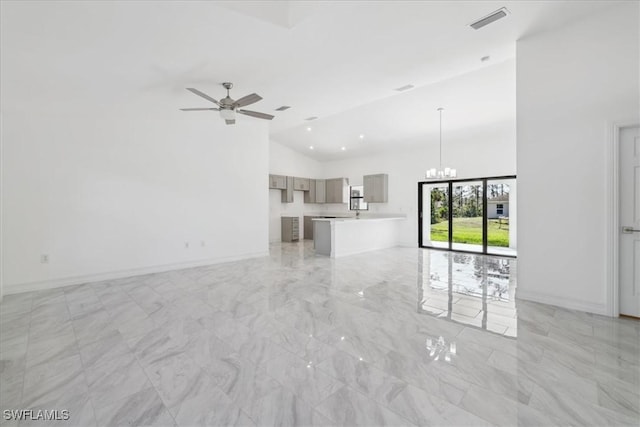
(376, 188)
(301, 184)
(337, 190)
(321, 189)
(308, 227)
(316, 193)
(287, 193)
(290, 231)
(278, 182)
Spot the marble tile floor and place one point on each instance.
(396, 337)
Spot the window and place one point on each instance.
(499, 208)
(356, 200)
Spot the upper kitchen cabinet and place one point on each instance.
(287, 193)
(301, 184)
(279, 182)
(337, 190)
(317, 191)
(376, 188)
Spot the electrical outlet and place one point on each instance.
(186, 245)
(44, 259)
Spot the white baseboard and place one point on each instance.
(17, 288)
(408, 244)
(564, 302)
(365, 250)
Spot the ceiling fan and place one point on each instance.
(228, 107)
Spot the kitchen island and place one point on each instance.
(338, 237)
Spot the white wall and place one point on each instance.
(572, 83)
(115, 196)
(285, 161)
(483, 152)
(492, 210)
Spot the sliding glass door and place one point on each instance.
(501, 216)
(435, 224)
(469, 215)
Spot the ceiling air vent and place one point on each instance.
(284, 107)
(311, 118)
(403, 88)
(492, 17)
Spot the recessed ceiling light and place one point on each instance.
(284, 107)
(344, 148)
(403, 88)
(361, 136)
(492, 17)
(311, 147)
(485, 58)
(311, 118)
(308, 129)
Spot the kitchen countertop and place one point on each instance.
(358, 219)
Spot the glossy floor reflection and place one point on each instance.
(297, 339)
(476, 290)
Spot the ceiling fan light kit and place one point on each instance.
(228, 107)
(227, 114)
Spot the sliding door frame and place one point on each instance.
(485, 222)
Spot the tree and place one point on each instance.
(439, 205)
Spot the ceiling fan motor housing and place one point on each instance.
(226, 102)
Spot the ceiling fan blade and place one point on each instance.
(200, 109)
(247, 100)
(256, 114)
(203, 95)
(231, 122)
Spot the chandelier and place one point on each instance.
(441, 172)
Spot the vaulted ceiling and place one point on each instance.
(338, 61)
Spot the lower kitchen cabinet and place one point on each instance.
(308, 227)
(290, 229)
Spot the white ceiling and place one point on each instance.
(339, 61)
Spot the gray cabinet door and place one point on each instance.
(290, 229)
(279, 182)
(368, 185)
(316, 193)
(336, 190)
(301, 184)
(376, 188)
(321, 190)
(308, 227)
(287, 194)
(330, 191)
(310, 196)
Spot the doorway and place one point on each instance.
(629, 221)
(468, 215)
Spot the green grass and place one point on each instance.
(469, 230)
